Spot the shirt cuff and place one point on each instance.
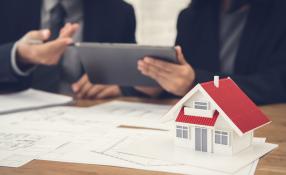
(15, 65)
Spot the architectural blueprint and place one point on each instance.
(86, 135)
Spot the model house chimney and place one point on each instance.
(216, 81)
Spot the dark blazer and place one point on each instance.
(260, 65)
(7, 74)
(104, 21)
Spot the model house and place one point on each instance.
(216, 117)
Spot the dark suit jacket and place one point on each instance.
(7, 74)
(104, 21)
(260, 66)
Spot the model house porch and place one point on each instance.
(207, 134)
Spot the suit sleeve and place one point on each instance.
(267, 85)
(9, 80)
(6, 71)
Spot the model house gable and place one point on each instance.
(198, 105)
(200, 109)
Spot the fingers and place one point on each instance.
(162, 65)
(58, 44)
(41, 35)
(109, 91)
(85, 89)
(174, 78)
(95, 91)
(152, 71)
(105, 93)
(98, 92)
(66, 32)
(166, 66)
(69, 30)
(159, 76)
(180, 56)
(50, 53)
(33, 50)
(76, 87)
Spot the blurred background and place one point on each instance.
(156, 20)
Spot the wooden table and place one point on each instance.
(272, 164)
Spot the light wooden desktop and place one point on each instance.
(273, 163)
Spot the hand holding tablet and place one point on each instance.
(177, 79)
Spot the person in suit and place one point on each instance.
(100, 21)
(241, 39)
(15, 68)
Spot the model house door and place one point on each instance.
(201, 140)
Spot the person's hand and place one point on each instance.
(84, 89)
(174, 78)
(32, 48)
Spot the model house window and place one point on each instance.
(221, 137)
(201, 105)
(182, 132)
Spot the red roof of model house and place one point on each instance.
(235, 104)
(196, 119)
(231, 101)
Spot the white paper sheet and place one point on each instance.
(30, 99)
(82, 135)
(76, 126)
(19, 148)
(106, 154)
(161, 146)
(131, 114)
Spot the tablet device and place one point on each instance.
(117, 63)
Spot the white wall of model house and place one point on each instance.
(221, 125)
(198, 97)
(241, 142)
(228, 141)
(190, 142)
